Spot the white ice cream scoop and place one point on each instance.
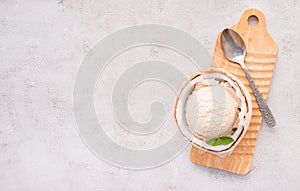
(211, 111)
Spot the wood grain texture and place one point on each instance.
(260, 61)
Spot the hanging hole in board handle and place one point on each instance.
(253, 20)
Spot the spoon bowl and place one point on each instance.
(233, 45)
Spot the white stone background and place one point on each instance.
(42, 44)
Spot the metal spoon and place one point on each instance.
(234, 49)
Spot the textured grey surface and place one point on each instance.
(42, 44)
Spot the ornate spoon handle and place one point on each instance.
(266, 112)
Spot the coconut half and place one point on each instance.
(213, 77)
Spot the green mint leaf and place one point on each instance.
(219, 141)
(213, 141)
(226, 140)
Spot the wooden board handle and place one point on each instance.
(243, 23)
(257, 38)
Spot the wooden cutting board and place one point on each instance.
(260, 61)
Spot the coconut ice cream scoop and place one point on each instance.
(211, 110)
